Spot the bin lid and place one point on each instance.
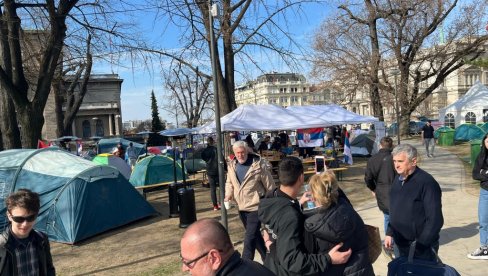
(475, 142)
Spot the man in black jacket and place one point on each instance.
(281, 213)
(379, 176)
(209, 155)
(24, 251)
(415, 206)
(206, 249)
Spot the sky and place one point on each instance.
(139, 81)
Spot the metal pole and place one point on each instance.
(217, 115)
(397, 109)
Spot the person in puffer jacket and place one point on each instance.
(336, 221)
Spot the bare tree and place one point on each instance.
(71, 97)
(425, 58)
(245, 28)
(31, 59)
(360, 46)
(189, 91)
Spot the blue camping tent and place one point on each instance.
(79, 198)
(468, 132)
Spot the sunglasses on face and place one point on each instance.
(20, 219)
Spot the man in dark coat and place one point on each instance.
(379, 176)
(206, 249)
(415, 206)
(281, 213)
(209, 155)
(427, 136)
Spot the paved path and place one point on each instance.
(459, 236)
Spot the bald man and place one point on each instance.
(206, 249)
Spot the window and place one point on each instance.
(449, 120)
(283, 99)
(294, 99)
(86, 129)
(304, 98)
(470, 118)
(99, 128)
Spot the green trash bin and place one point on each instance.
(475, 150)
(446, 137)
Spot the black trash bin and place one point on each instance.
(173, 199)
(186, 200)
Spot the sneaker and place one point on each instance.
(216, 207)
(479, 254)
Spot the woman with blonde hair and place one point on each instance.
(336, 221)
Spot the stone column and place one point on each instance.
(110, 124)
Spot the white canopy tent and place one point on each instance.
(332, 114)
(473, 106)
(263, 118)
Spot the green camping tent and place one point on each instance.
(155, 169)
(79, 198)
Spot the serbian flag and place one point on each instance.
(310, 137)
(347, 150)
(79, 148)
(41, 144)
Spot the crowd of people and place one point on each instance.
(328, 240)
(332, 238)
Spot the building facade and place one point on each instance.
(283, 89)
(99, 114)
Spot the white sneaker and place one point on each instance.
(479, 254)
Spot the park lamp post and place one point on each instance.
(396, 72)
(213, 12)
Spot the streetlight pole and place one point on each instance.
(396, 72)
(212, 11)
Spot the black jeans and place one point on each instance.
(213, 182)
(253, 239)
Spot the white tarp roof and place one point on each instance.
(475, 100)
(272, 117)
(332, 114)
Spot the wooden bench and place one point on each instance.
(144, 189)
(337, 171)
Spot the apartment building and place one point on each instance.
(283, 89)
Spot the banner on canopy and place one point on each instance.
(310, 137)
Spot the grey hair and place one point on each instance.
(239, 144)
(410, 150)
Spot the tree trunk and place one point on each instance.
(8, 125)
(31, 120)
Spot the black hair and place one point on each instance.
(290, 169)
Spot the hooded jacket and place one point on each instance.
(379, 176)
(284, 222)
(257, 182)
(340, 223)
(480, 168)
(41, 243)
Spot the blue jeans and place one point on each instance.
(387, 221)
(483, 216)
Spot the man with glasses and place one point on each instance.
(206, 249)
(22, 250)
